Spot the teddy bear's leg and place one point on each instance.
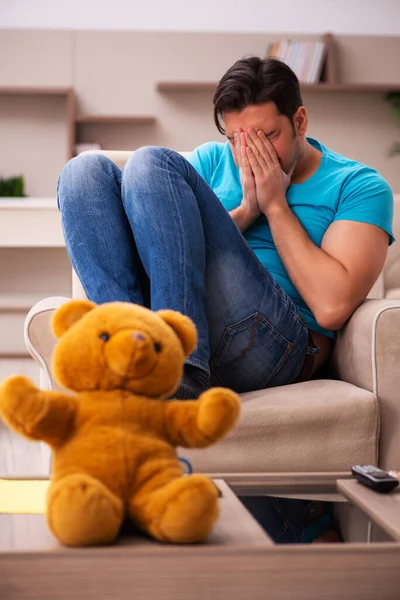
(81, 511)
(182, 511)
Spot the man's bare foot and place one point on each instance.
(330, 536)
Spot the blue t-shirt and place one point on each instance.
(340, 189)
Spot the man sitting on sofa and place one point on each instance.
(268, 242)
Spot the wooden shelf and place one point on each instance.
(35, 91)
(18, 302)
(378, 88)
(27, 203)
(115, 119)
(23, 222)
(193, 86)
(66, 92)
(189, 86)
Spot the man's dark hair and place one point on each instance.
(253, 81)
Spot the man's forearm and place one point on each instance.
(320, 279)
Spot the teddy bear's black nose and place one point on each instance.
(138, 337)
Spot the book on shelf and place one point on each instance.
(306, 59)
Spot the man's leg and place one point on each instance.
(97, 233)
(198, 262)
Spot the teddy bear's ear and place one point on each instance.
(68, 314)
(184, 328)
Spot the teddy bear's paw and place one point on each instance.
(218, 412)
(15, 389)
(183, 511)
(81, 511)
(18, 403)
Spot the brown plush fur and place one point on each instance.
(114, 437)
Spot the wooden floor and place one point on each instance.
(17, 455)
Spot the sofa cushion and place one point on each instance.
(320, 425)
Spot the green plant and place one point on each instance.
(12, 187)
(393, 99)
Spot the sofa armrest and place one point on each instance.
(367, 354)
(39, 339)
(378, 289)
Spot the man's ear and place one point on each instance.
(184, 328)
(68, 314)
(300, 121)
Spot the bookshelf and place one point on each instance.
(329, 79)
(323, 87)
(34, 91)
(47, 91)
(116, 119)
(33, 265)
(72, 120)
(105, 124)
(114, 131)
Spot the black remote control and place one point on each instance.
(375, 478)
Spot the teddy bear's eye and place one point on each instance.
(104, 336)
(157, 347)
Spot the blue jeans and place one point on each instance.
(156, 234)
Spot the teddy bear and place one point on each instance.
(114, 431)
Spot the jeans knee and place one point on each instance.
(76, 175)
(80, 166)
(146, 159)
(143, 161)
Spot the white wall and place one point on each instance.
(364, 17)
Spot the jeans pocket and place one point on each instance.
(250, 354)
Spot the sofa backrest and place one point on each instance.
(120, 157)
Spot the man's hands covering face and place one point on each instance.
(260, 164)
(249, 201)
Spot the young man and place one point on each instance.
(268, 242)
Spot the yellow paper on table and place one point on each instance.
(23, 496)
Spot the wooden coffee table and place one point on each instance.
(383, 509)
(238, 562)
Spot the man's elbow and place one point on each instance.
(333, 318)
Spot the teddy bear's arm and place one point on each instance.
(200, 423)
(34, 413)
(180, 419)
